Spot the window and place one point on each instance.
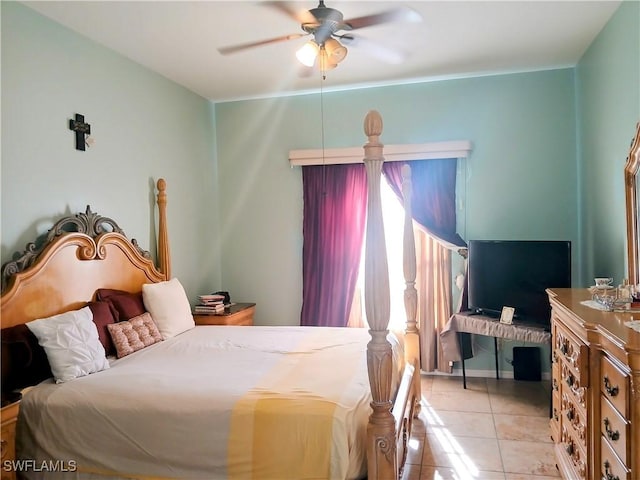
(393, 217)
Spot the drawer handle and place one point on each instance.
(570, 414)
(613, 436)
(612, 391)
(570, 449)
(607, 474)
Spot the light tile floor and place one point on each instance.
(493, 430)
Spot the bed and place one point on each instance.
(166, 409)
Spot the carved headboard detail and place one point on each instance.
(88, 223)
(61, 270)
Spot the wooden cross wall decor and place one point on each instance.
(81, 128)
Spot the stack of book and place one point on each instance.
(209, 304)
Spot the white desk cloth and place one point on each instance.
(483, 325)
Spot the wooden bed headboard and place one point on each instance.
(80, 254)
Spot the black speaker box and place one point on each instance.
(526, 364)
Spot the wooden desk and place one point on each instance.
(482, 325)
(236, 314)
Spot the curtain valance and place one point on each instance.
(392, 153)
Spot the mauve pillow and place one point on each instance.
(104, 293)
(24, 361)
(128, 305)
(104, 314)
(135, 334)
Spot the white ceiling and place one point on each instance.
(179, 39)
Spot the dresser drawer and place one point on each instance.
(614, 385)
(574, 416)
(554, 422)
(574, 450)
(571, 384)
(7, 442)
(573, 353)
(611, 468)
(7, 446)
(614, 428)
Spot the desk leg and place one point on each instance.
(495, 350)
(464, 375)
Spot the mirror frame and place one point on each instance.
(631, 171)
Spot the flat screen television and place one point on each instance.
(515, 273)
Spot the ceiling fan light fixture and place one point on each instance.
(335, 50)
(325, 62)
(307, 53)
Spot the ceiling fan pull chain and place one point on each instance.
(324, 172)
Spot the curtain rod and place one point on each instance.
(392, 153)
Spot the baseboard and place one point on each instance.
(457, 372)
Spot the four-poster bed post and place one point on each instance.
(164, 255)
(411, 340)
(387, 434)
(381, 440)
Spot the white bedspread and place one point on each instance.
(212, 403)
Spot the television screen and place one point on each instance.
(515, 273)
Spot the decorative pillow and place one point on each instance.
(24, 362)
(133, 335)
(104, 313)
(128, 305)
(104, 293)
(169, 307)
(71, 342)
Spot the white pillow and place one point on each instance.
(169, 307)
(71, 343)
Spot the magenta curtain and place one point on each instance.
(335, 205)
(433, 199)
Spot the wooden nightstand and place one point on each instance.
(236, 314)
(8, 417)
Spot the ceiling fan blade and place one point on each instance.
(374, 49)
(301, 16)
(400, 14)
(244, 46)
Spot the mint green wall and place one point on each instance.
(521, 169)
(145, 127)
(608, 91)
(520, 177)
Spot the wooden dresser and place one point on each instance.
(595, 418)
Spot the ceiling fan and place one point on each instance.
(328, 28)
